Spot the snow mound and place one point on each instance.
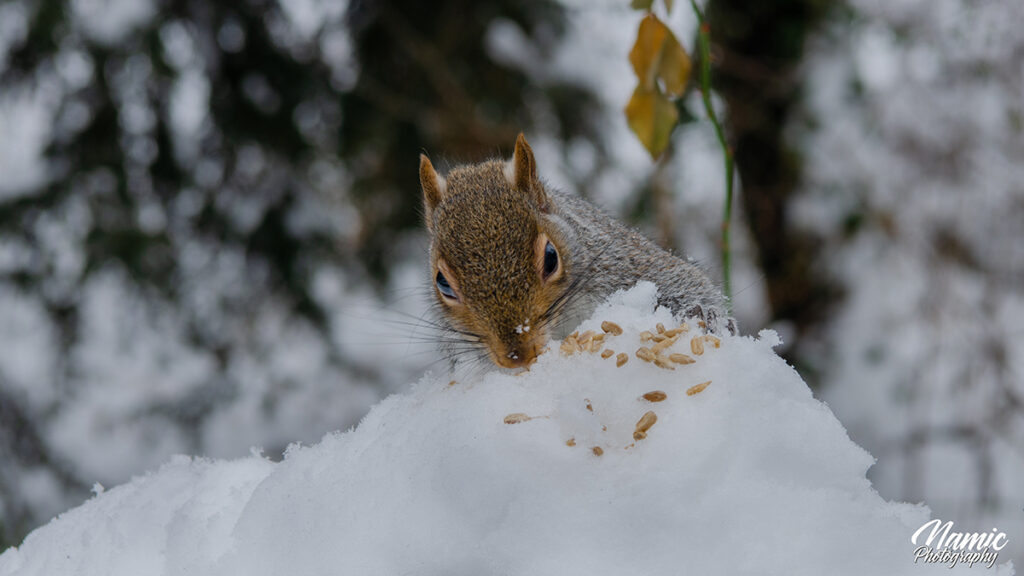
(502, 475)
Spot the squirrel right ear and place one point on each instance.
(524, 173)
(433, 187)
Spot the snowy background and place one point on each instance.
(208, 216)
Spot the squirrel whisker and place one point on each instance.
(421, 322)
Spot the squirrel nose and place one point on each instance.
(520, 355)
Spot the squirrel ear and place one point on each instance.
(524, 173)
(433, 187)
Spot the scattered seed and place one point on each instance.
(674, 332)
(608, 353)
(570, 442)
(576, 343)
(452, 383)
(645, 336)
(597, 450)
(611, 328)
(656, 396)
(698, 388)
(568, 346)
(595, 345)
(681, 359)
(621, 359)
(645, 354)
(644, 424)
(714, 340)
(589, 406)
(571, 344)
(697, 346)
(585, 339)
(516, 418)
(660, 328)
(658, 347)
(660, 362)
(646, 421)
(658, 337)
(598, 337)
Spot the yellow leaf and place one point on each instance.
(651, 116)
(675, 68)
(657, 55)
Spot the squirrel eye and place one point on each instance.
(550, 260)
(444, 287)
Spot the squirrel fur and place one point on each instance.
(493, 227)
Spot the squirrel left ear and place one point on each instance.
(433, 188)
(524, 173)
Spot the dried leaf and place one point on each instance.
(651, 117)
(657, 55)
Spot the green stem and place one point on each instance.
(704, 41)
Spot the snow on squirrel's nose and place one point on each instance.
(519, 354)
(519, 347)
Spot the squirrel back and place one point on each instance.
(514, 263)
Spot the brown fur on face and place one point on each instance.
(488, 237)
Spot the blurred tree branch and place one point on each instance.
(762, 46)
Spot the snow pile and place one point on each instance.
(750, 475)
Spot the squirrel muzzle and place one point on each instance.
(519, 354)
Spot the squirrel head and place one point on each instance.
(499, 263)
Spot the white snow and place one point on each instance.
(750, 476)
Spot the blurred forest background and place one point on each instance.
(209, 215)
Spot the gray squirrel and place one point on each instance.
(514, 262)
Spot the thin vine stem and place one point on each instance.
(704, 45)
